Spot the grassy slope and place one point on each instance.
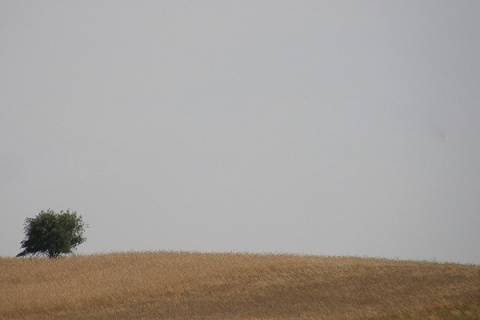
(235, 286)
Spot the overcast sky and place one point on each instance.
(308, 127)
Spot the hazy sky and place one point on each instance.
(310, 127)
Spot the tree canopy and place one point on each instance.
(52, 234)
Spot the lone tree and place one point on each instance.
(52, 233)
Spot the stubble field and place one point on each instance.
(168, 285)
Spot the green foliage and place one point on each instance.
(52, 233)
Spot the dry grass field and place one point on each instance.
(235, 286)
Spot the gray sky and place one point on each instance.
(318, 127)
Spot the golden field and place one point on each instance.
(168, 285)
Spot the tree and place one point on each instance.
(52, 233)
